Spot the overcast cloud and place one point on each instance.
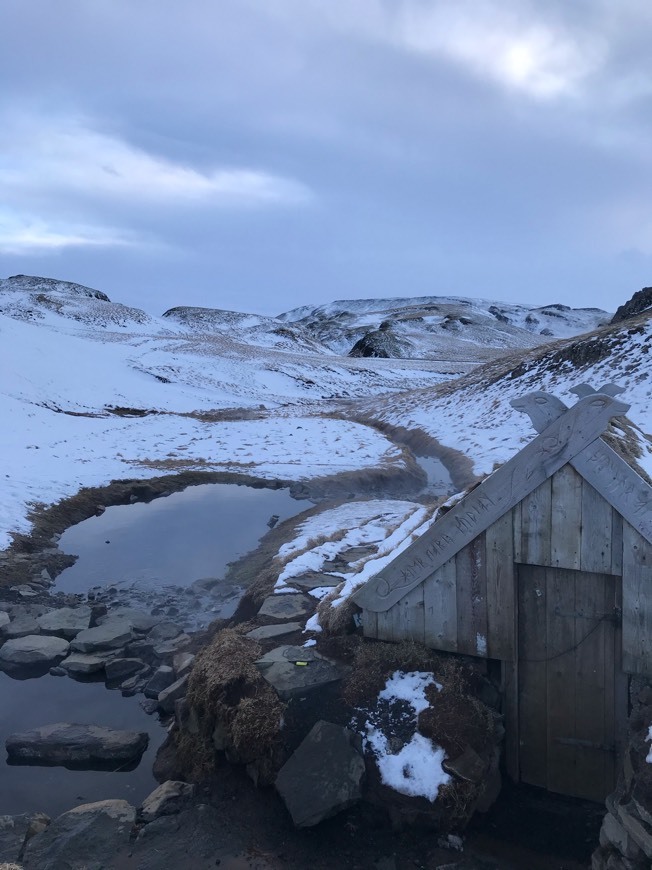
(264, 155)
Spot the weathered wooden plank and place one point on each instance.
(616, 543)
(510, 693)
(637, 603)
(597, 531)
(536, 518)
(370, 623)
(440, 605)
(593, 723)
(562, 684)
(517, 536)
(533, 686)
(621, 686)
(501, 628)
(410, 618)
(472, 599)
(566, 518)
(562, 440)
(612, 641)
(386, 626)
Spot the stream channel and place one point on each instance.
(145, 556)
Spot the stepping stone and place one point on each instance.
(314, 580)
(120, 669)
(20, 626)
(65, 622)
(168, 697)
(35, 650)
(161, 679)
(81, 664)
(323, 777)
(90, 835)
(290, 606)
(265, 632)
(73, 745)
(109, 635)
(139, 620)
(296, 670)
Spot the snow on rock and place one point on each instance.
(649, 737)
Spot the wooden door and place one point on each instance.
(566, 680)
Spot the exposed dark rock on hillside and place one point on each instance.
(380, 343)
(640, 301)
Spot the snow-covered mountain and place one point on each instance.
(92, 390)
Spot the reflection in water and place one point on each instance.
(174, 540)
(439, 479)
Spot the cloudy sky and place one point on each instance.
(264, 154)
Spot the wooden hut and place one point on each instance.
(545, 569)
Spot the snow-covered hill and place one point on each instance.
(440, 327)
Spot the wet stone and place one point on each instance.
(173, 693)
(13, 831)
(164, 631)
(139, 620)
(33, 651)
(166, 800)
(296, 670)
(75, 745)
(265, 632)
(162, 678)
(109, 635)
(21, 626)
(314, 580)
(4, 619)
(182, 663)
(119, 669)
(81, 665)
(288, 606)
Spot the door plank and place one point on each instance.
(501, 629)
(533, 688)
(471, 569)
(536, 516)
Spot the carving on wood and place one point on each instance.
(558, 443)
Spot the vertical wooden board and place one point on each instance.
(561, 681)
(386, 625)
(370, 623)
(637, 603)
(471, 571)
(597, 531)
(410, 616)
(501, 628)
(616, 543)
(532, 684)
(566, 518)
(621, 687)
(510, 712)
(536, 515)
(517, 521)
(440, 608)
(593, 599)
(612, 639)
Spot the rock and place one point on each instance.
(205, 585)
(169, 648)
(21, 626)
(279, 667)
(288, 606)
(173, 692)
(265, 632)
(640, 301)
(13, 833)
(182, 663)
(132, 686)
(73, 745)
(149, 705)
(193, 838)
(88, 836)
(162, 678)
(33, 651)
(315, 580)
(81, 665)
(58, 671)
(118, 669)
(110, 635)
(24, 590)
(166, 800)
(139, 620)
(467, 766)
(164, 631)
(65, 622)
(323, 777)
(4, 620)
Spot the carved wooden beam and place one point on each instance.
(559, 442)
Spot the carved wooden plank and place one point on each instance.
(536, 518)
(618, 483)
(562, 440)
(472, 599)
(637, 603)
(440, 606)
(501, 628)
(566, 519)
(597, 516)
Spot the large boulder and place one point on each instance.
(33, 651)
(296, 670)
(323, 777)
(65, 622)
(166, 800)
(640, 301)
(73, 745)
(88, 836)
(111, 635)
(14, 831)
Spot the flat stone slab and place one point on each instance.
(81, 664)
(139, 620)
(168, 697)
(120, 669)
(160, 680)
(73, 745)
(323, 777)
(4, 619)
(20, 626)
(110, 635)
(288, 606)
(89, 836)
(296, 670)
(315, 580)
(265, 632)
(65, 622)
(34, 650)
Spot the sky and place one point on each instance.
(259, 156)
